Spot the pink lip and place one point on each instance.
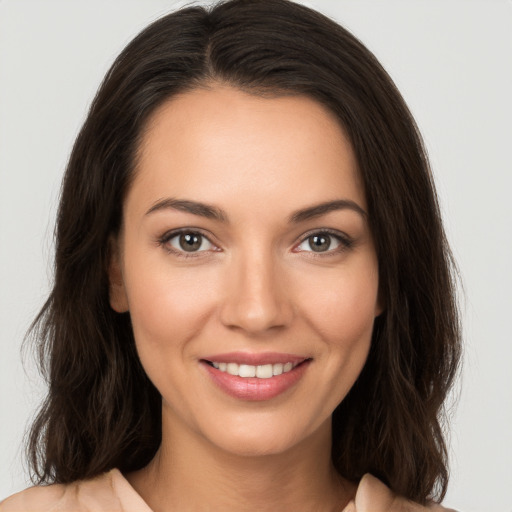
(255, 359)
(252, 388)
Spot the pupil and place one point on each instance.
(319, 243)
(190, 242)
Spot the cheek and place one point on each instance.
(342, 311)
(167, 305)
(343, 308)
(345, 317)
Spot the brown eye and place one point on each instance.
(319, 243)
(323, 242)
(189, 241)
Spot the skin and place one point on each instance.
(254, 286)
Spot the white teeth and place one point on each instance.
(232, 369)
(277, 368)
(246, 370)
(263, 371)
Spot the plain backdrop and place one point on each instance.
(452, 60)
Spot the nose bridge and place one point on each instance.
(255, 299)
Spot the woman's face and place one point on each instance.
(247, 265)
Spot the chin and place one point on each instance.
(266, 438)
(255, 445)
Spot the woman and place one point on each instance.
(253, 304)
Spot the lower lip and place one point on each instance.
(252, 388)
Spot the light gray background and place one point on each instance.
(451, 60)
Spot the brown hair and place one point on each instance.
(101, 410)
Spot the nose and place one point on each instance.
(256, 298)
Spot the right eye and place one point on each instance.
(187, 242)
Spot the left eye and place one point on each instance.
(320, 242)
(190, 241)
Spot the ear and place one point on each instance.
(117, 291)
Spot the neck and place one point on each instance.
(190, 474)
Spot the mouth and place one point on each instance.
(269, 375)
(262, 371)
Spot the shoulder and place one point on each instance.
(107, 492)
(374, 496)
(40, 498)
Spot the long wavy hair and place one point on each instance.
(101, 410)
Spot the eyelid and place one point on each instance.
(164, 239)
(346, 242)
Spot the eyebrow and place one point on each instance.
(215, 213)
(194, 207)
(324, 208)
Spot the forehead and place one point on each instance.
(222, 142)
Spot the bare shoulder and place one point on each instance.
(373, 495)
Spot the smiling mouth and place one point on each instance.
(275, 374)
(263, 371)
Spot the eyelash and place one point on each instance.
(345, 242)
(164, 240)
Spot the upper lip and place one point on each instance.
(255, 359)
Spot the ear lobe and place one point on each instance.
(117, 291)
